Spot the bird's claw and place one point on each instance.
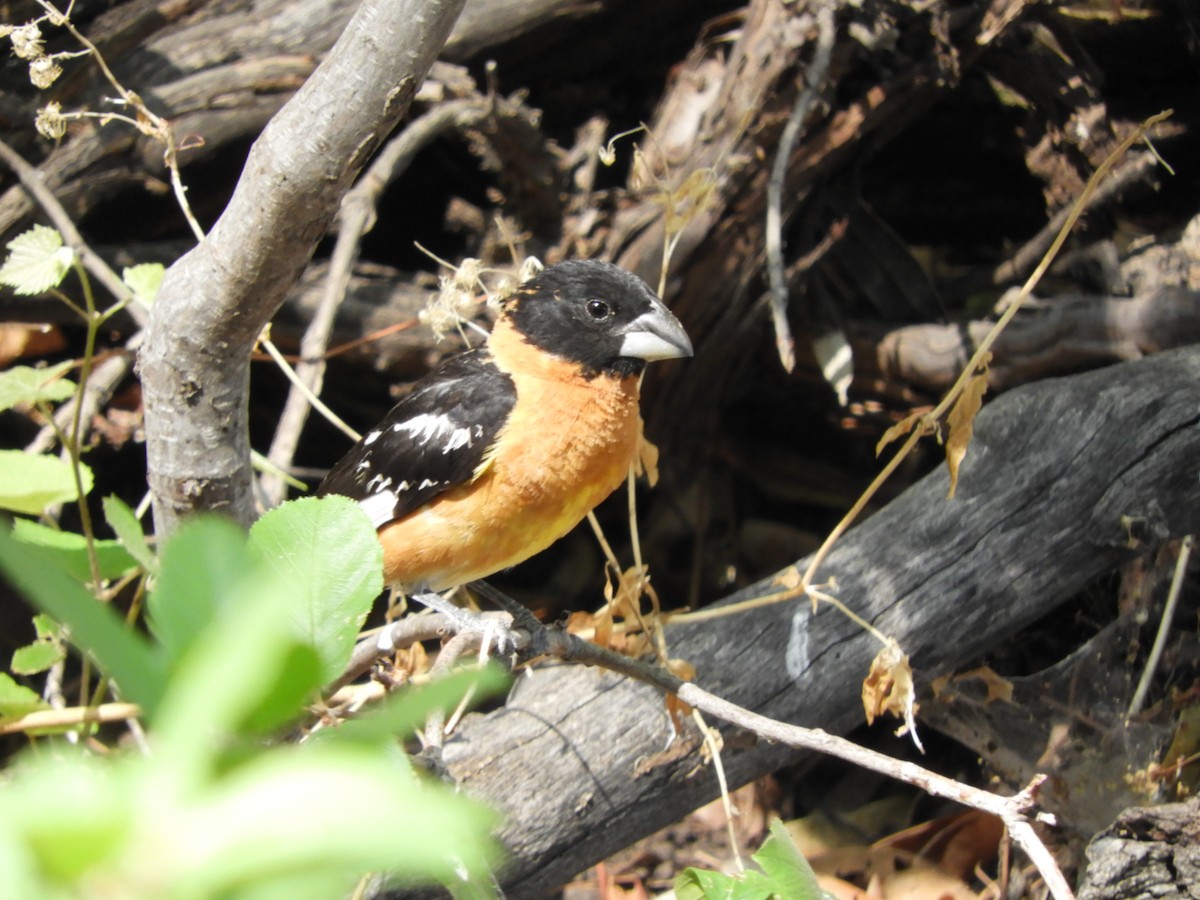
(494, 630)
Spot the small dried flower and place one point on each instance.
(44, 71)
(27, 41)
(50, 122)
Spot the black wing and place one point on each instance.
(434, 439)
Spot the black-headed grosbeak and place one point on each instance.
(500, 451)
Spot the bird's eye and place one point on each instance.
(597, 309)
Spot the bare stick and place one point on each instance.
(1164, 627)
(72, 716)
(357, 216)
(1011, 810)
(791, 132)
(216, 299)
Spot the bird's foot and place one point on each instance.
(494, 631)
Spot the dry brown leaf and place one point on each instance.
(998, 687)
(938, 687)
(18, 341)
(900, 429)
(957, 843)
(961, 420)
(646, 461)
(925, 882)
(889, 688)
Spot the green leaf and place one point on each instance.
(144, 280)
(199, 568)
(37, 261)
(128, 529)
(46, 627)
(66, 847)
(330, 813)
(409, 709)
(123, 654)
(23, 384)
(328, 547)
(37, 657)
(70, 550)
(16, 700)
(29, 482)
(785, 875)
(786, 868)
(245, 671)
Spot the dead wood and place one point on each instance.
(1066, 478)
(1053, 337)
(1147, 852)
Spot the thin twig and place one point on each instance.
(310, 398)
(356, 219)
(71, 716)
(813, 77)
(1164, 627)
(1013, 811)
(100, 387)
(712, 741)
(1024, 259)
(929, 421)
(147, 121)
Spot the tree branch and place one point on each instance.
(216, 299)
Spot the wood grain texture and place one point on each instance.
(1066, 478)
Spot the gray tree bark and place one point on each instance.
(215, 300)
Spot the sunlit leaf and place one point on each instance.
(37, 261)
(23, 384)
(128, 529)
(144, 280)
(200, 568)
(17, 700)
(30, 482)
(70, 551)
(785, 874)
(37, 657)
(123, 654)
(335, 590)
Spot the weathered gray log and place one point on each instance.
(1148, 852)
(1065, 479)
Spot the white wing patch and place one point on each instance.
(428, 427)
(380, 507)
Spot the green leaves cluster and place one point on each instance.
(37, 263)
(243, 632)
(783, 874)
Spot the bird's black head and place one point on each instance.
(598, 315)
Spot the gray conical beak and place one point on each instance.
(655, 334)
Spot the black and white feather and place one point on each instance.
(434, 439)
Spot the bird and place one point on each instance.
(500, 451)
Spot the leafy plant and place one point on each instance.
(783, 874)
(243, 634)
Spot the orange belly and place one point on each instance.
(568, 445)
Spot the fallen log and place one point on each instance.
(1065, 479)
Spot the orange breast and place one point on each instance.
(567, 445)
